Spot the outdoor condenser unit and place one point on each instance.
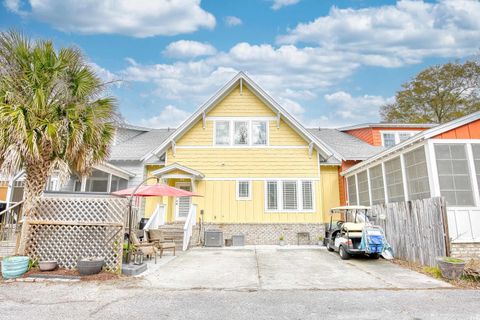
(213, 238)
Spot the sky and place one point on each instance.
(329, 63)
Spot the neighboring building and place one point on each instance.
(441, 161)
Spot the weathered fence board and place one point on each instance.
(67, 229)
(415, 229)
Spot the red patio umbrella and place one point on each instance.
(155, 190)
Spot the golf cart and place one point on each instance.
(352, 233)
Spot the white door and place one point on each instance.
(182, 204)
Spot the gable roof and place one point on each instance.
(346, 145)
(140, 146)
(177, 166)
(242, 79)
(419, 137)
(389, 125)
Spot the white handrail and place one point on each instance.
(188, 227)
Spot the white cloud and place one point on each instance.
(232, 21)
(169, 117)
(189, 49)
(278, 4)
(398, 34)
(105, 74)
(291, 106)
(140, 18)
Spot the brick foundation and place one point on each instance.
(265, 233)
(466, 251)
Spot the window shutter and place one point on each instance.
(289, 195)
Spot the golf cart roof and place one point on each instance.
(350, 208)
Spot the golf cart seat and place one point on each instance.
(352, 227)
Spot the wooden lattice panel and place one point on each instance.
(67, 229)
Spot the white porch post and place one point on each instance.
(432, 169)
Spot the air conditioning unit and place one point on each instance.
(213, 238)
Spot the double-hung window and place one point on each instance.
(244, 190)
(241, 132)
(391, 138)
(289, 196)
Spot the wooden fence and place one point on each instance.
(67, 229)
(417, 230)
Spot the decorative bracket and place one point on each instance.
(278, 120)
(204, 119)
(174, 148)
(241, 86)
(310, 149)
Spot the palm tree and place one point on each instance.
(53, 115)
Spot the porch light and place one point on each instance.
(138, 257)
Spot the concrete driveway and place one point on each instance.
(281, 268)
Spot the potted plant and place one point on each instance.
(282, 240)
(89, 266)
(320, 240)
(451, 268)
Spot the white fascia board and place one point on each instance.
(261, 94)
(113, 169)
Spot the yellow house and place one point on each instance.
(259, 172)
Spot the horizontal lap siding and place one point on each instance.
(284, 135)
(247, 162)
(245, 105)
(330, 186)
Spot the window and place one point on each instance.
(391, 138)
(241, 133)
(476, 161)
(97, 182)
(453, 174)
(363, 194)
(289, 196)
(352, 190)
(393, 176)
(259, 132)
(376, 185)
(307, 195)
(240, 136)
(272, 195)
(388, 140)
(73, 184)
(222, 132)
(243, 190)
(118, 183)
(417, 174)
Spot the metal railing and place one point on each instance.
(10, 222)
(189, 224)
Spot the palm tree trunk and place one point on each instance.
(35, 181)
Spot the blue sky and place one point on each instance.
(330, 63)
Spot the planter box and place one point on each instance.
(47, 265)
(88, 267)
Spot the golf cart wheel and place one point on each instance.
(343, 254)
(374, 255)
(328, 247)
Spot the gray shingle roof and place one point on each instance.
(140, 145)
(348, 146)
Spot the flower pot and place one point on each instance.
(282, 242)
(450, 269)
(47, 265)
(89, 266)
(14, 267)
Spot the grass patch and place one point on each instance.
(452, 260)
(433, 272)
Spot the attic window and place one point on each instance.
(238, 133)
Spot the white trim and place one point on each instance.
(177, 166)
(356, 188)
(177, 185)
(473, 176)
(369, 187)
(404, 176)
(396, 135)
(237, 196)
(280, 196)
(242, 147)
(384, 176)
(263, 179)
(424, 135)
(432, 169)
(262, 95)
(389, 125)
(116, 171)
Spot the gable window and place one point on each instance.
(391, 138)
(259, 132)
(241, 132)
(289, 196)
(240, 136)
(222, 132)
(243, 190)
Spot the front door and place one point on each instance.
(182, 204)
